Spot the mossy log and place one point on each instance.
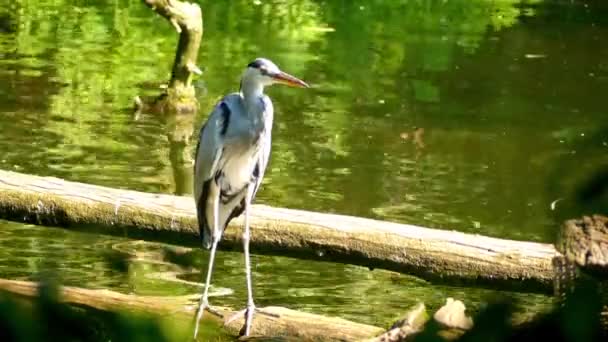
(283, 323)
(435, 255)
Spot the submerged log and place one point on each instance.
(436, 255)
(282, 323)
(412, 323)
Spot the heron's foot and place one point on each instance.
(204, 305)
(248, 312)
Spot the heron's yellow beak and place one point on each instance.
(287, 79)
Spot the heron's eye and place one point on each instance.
(264, 71)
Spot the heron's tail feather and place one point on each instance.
(203, 225)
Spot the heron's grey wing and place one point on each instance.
(208, 154)
(210, 145)
(260, 167)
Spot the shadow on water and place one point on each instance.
(585, 190)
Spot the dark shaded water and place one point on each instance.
(460, 115)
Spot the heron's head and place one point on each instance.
(265, 72)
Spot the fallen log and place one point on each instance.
(435, 255)
(282, 323)
(274, 324)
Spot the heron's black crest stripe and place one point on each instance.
(255, 64)
(226, 117)
(258, 64)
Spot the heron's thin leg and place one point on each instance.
(204, 302)
(246, 236)
(250, 304)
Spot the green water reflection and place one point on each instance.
(355, 293)
(449, 114)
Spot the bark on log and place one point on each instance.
(187, 19)
(585, 242)
(287, 323)
(435, 255)
(180, 95)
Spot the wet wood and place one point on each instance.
(284, 323)
(436, 255)
(585, 243)
(180, 96)
(412, 323)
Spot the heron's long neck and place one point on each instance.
(252, 92)
(253, 95)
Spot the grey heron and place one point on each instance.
(231, 157)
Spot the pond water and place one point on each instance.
(466, 115)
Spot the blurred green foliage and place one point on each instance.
(578, 318)
(45, 318)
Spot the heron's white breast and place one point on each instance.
(238, 167)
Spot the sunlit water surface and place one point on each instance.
(448, 114)
(356, 293)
